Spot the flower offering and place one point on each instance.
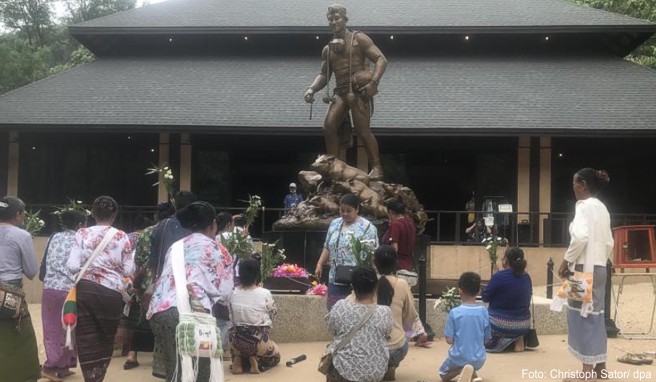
(290, 270)
(317, 289)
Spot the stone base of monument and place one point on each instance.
(301, 318)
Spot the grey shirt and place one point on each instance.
(17, 257)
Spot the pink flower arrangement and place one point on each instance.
(317, 289)
(290, 270)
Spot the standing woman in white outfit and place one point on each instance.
(590, 246)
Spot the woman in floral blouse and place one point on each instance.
(337, 248)
(57, 281)
(209, 272)
(101, 289)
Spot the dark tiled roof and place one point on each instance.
(417, 96)
(369, 15)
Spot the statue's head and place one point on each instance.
(337, 9)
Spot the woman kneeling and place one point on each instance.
(509, 297)
(252, 311)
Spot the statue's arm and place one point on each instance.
(321, 80)
(374, 55)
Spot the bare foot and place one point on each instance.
(236, 367)
(519, 345)
(255, 369)
(600, 371)
(390, 375)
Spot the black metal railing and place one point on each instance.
(443, 227)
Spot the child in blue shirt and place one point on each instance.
(467, 329)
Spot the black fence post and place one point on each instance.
(611, 328)
(550, 267)
(421, 248)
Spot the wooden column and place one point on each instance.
(162, 195)
(12, 165)
(185, 162)
(545, 182)
(523, 177)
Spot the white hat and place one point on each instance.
(292, 185)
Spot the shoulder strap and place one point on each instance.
(350, 48)
(180, 276)
(109, 235)
(158, 271)
(355, 329)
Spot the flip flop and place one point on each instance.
(130, 365)
(426, 345)
(635, 359)
(50, 377)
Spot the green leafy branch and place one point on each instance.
(254, 206)
(164, 176)
(362, 249)
(271, 257)
(33, 222)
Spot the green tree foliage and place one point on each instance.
(31, 18)
(20, 62)
(33, 46)
(641, 9)
(83, 10)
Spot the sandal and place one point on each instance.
(635, 359)
(130, 365)
(51, 377)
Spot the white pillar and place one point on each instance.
(164, 139)
(523, 177)
(185, 162)
(12, 165)
(545, 181)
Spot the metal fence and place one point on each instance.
(443, 227)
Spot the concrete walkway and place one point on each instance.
(550, 362)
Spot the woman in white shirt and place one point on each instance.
(252, 311)
(590, 246)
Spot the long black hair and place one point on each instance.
(385, 261)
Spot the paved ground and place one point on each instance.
(550, 362)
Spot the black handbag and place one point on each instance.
(531, 338)
(343, 274)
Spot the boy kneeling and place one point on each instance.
(467, 329)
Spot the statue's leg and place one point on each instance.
(334, 119)
(361, 121)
